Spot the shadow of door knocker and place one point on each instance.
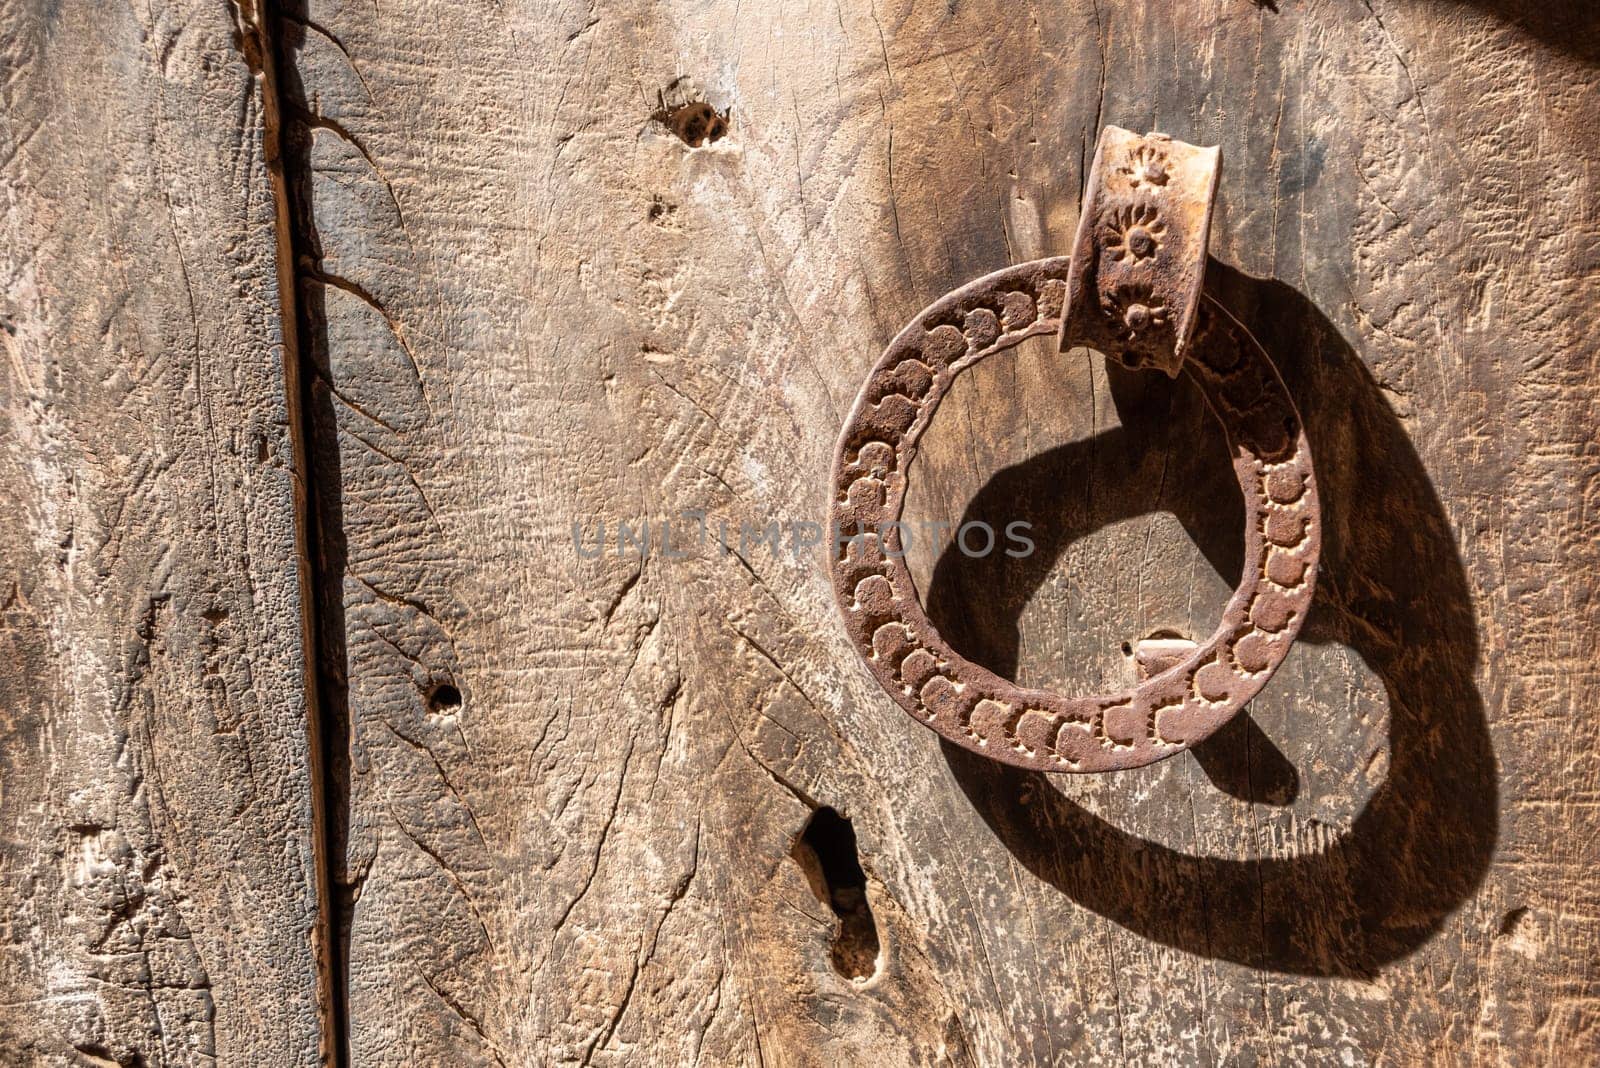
(1133, 290)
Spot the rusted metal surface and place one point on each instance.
(1139, 259)
(1133, 243)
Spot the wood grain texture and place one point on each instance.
(576, 782)
(157, 875)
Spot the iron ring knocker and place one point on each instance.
(1132, 289)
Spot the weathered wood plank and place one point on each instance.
(157, 870)
(577, 785)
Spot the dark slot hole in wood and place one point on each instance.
(827, 852)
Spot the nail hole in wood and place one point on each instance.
(1511, 921)
(444, 699)
(660, 208)
(683, 109)
(695, 124)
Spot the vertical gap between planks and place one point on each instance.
(263, 42)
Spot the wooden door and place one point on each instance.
(412, 411)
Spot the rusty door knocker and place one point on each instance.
(1131, 289)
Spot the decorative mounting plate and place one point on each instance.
(1140, 255)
